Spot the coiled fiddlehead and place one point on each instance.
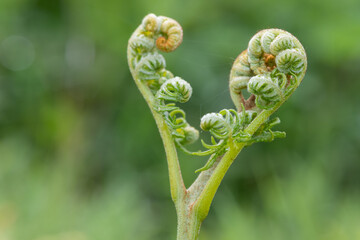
(176, 90)
(270, 69)
(154, 33)
(268, 88)
(221, 126)
(149, 68)
(171, 35)
(229, 125)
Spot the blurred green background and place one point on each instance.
(80, 155)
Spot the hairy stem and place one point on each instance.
(189, 223)
(203, 203)
(177, 187)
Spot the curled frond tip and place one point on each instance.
(171, 35)
(270, 69)
(167, 32)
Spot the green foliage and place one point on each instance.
(270, 76)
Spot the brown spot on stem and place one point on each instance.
(250, 102)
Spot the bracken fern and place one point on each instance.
(271, 68)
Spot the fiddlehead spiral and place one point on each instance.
(171, 35)
(149, 24)
(139, 46)
(221, 126)
(146, 64)
(148, 67)
(269, 89)
(176, 90)
(218, 124)
(270, 69)
(151, 70)
(229, 125)
(190, 135)
(182, 132)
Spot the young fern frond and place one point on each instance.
(270, 69)
(246, 117)
(229, 125)
(175, 90)
(149, 68)
(171, 35)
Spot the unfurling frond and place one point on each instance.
(270, 52)
(176, 90)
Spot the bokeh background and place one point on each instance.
(80, 155)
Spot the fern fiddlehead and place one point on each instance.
(229, 125)
(268, 86)
(270, 69)
(149, 68)
(176, 90)
(155, 33)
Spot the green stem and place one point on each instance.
(203, 203)
(206, 197)
(177, 187)
(189, 222)
(192, 205)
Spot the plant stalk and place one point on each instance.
(188, 221)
